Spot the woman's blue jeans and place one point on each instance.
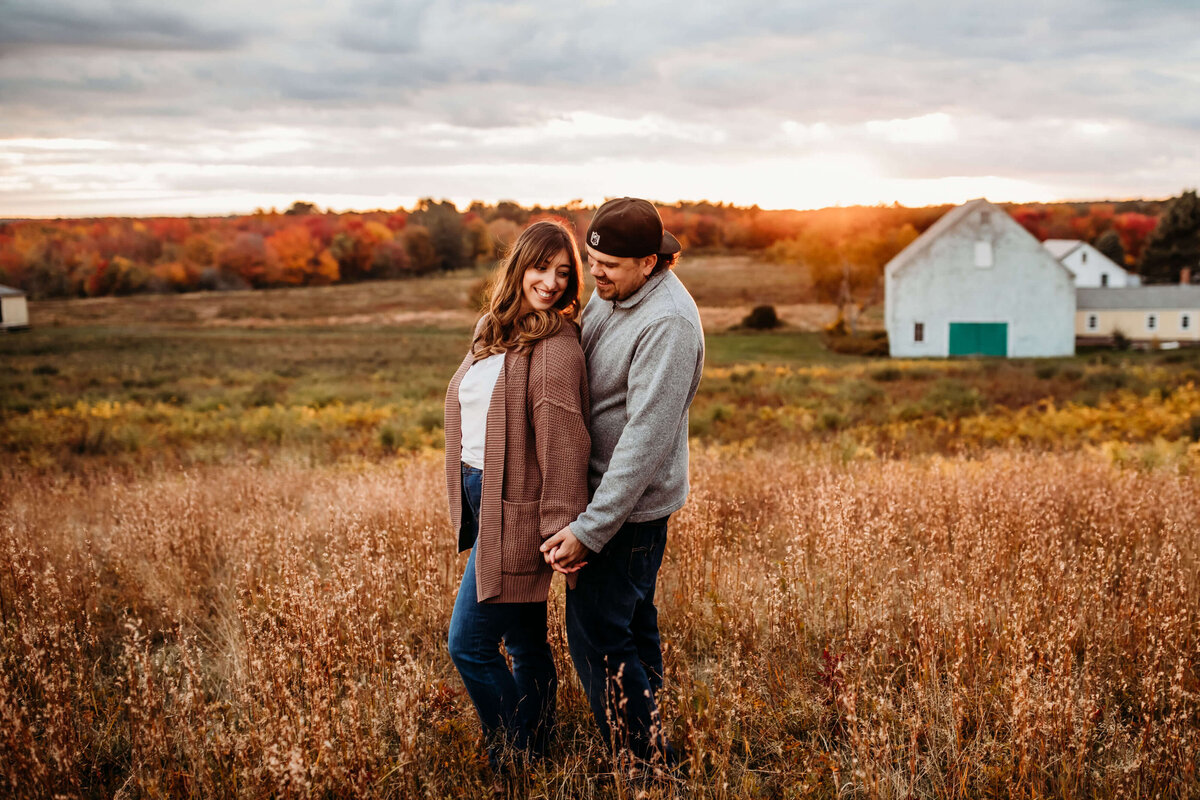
(516, 707)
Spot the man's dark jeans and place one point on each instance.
(515, 708)
(612, 630)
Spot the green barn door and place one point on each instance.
(979, 338)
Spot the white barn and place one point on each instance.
(1092, 268)
(14, 313)
(977, 283)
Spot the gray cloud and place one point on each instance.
(381, 27)
(461, 93)
(124, 26)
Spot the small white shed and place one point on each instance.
(977, 283)
(14, 313)
(1092, 268)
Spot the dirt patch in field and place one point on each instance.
(430, 319)
(438, 301)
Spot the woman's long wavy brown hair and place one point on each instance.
(504, 326)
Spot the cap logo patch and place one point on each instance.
(595, 238)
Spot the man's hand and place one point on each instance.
(564, 552)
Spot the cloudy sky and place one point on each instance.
(221, 106)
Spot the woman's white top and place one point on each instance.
(474, 398)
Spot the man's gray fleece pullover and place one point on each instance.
(644, 357)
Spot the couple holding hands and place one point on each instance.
(567, 451)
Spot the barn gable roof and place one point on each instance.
(1061, 248)
(8, 291)
(948, 222)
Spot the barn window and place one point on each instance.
(1185, 322)
(985, 217)
(1104, 279)
(1093, 322)
(1151, 322)
(1083, 258)
(919, 332)
(983, 254)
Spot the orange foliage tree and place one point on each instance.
(842, 248)
(294, 257)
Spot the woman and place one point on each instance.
(516, 471)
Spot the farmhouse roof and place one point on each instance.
(1138, 298)
(1061, 248)
(8, 291)
(922, 242)
(944, 224)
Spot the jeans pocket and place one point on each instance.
(645, 550)
(521, 536)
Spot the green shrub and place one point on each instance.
(15, 405)
(267, 392)
(1046, 371)
(293, 370)
(908, 412)
(859, 393)
(743, 374)
(431, 418)
(720, 412)
(830, 421)
(874, 343)
(952, 398)
(887, 374)
(480, 294)
(1106, 380)
(761, 318)
(389, 439)
(174, 397)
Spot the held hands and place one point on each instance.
(564, 552)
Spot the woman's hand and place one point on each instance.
(564, 552)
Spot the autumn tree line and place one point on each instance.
(842, 249)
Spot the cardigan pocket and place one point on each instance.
(521, 538)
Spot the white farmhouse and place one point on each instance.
(977, 283)
(1091, 267)
(14, 313)
(1143, 314)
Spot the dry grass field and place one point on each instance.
(1017, 625)
(225, 569)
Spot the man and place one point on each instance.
(645, 352)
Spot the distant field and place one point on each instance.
(132, 381)
(725, 287)
(225, 569)
(442, 300)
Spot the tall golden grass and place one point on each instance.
(1015, 625)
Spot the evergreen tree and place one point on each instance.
(1109, 243)
(1175, 243)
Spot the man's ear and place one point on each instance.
(648, 264)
